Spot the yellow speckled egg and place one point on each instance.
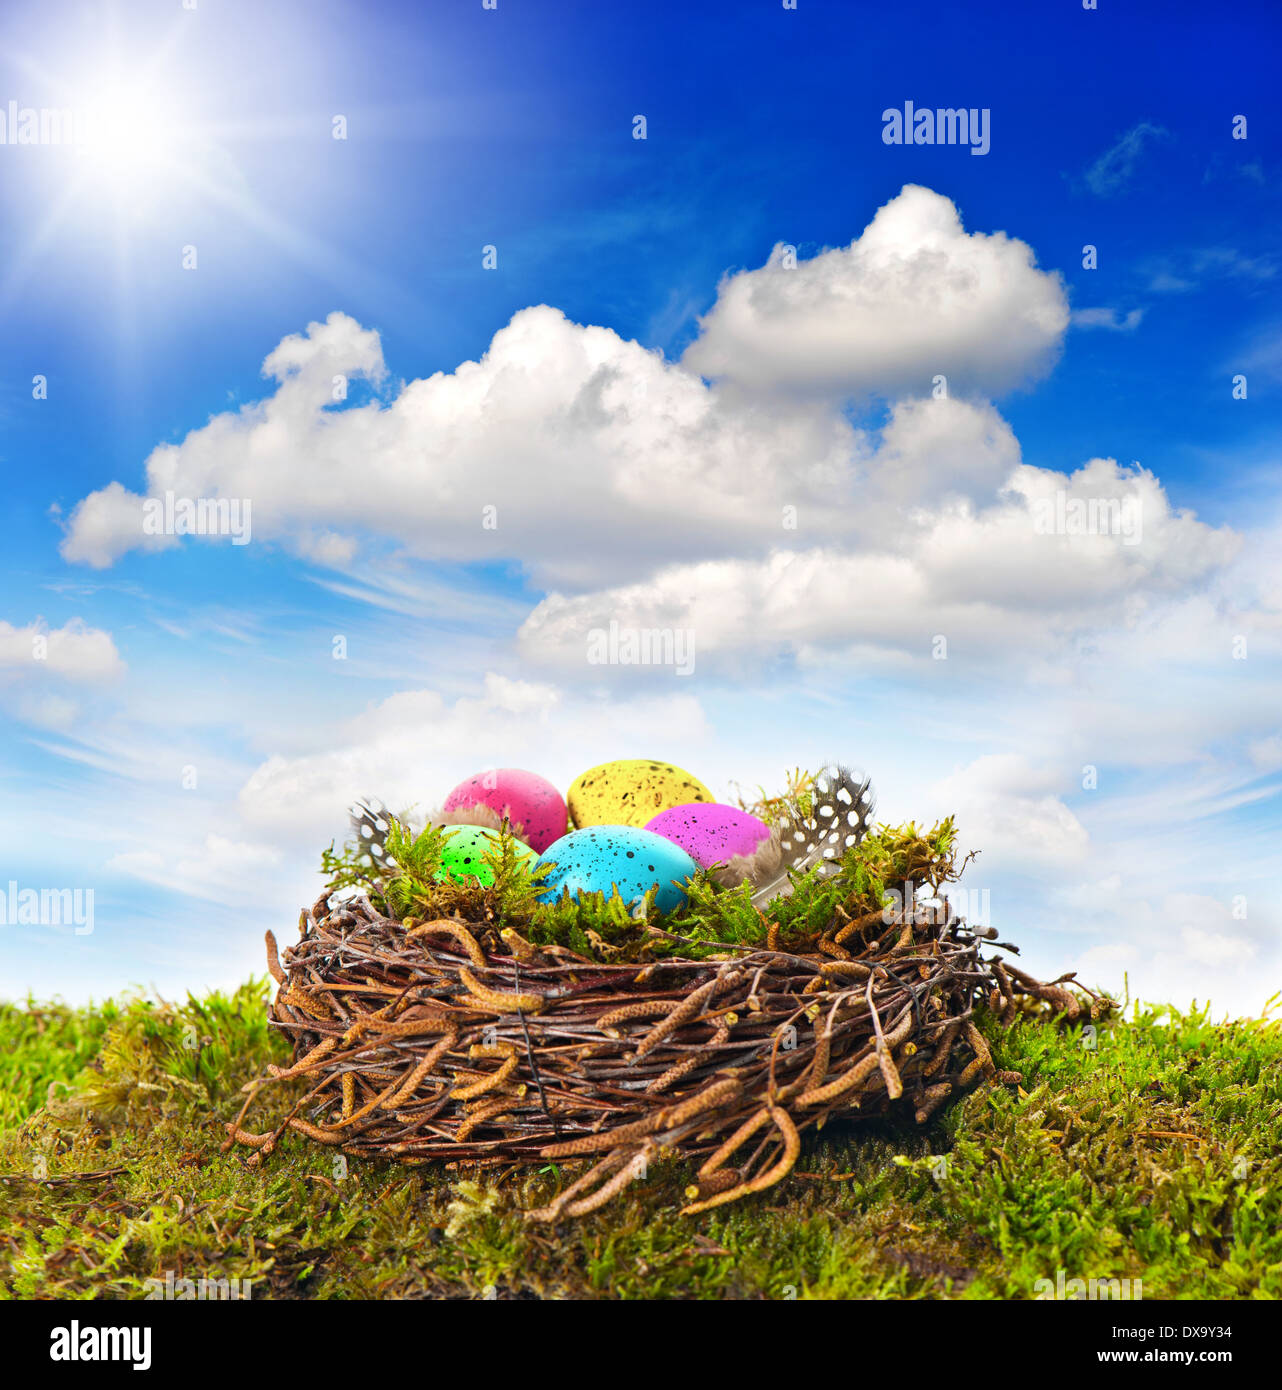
(631, 791)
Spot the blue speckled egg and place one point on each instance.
(601, 857)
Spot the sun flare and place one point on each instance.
(132, 134)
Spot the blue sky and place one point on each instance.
(633, 487)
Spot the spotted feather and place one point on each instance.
(841, 809)
(371, 821)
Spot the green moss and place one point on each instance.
(1151, 1148)
(888, 859)
(41, 1047)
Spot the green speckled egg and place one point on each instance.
(463, 859)
(631, 791)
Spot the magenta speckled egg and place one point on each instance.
(709, 832)
(531, 803)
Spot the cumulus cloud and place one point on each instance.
(74, 652)
(1180, 947)
(589, 451)
(106, 524)
(914, 296)
(629, 488)
(584, 454)
(1053, 556)
(1011, 808)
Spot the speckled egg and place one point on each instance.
(711, 832)
(463, 858)
(533, 806)
(631, 791)
(603, 857)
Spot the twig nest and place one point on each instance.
(603, 858)
(487, 1029)
(534, 808)
(631, 791)
(427, 1042)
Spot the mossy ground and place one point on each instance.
(1155, 1153)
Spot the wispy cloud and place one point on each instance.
(1112, 319)
(1114, 169)
(1262, 355)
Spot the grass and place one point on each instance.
(1151, 1149)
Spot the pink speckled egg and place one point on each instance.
(531, 803)
(710, 832)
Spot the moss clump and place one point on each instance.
(44, 1047)
(1147, 1148)
(890, 860)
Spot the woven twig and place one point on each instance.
(435, 1043)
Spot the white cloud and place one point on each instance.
(597, 457)
(1267, 753)
(74, 652)
(1016, 578)
(218, 870)
(106, 524)
(593, 452)
(411, 748)
(1189, 269)
(1179, 947)
(1083, 544)
(1008, 807)
(930, 449)
(47, 711)
(913, 296)
(1112, 319)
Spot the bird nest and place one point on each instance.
(448, 1039)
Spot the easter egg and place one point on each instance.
(602, 857)
(534, 807)
(631, 791)
(710, 832)
(463, 857)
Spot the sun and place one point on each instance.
(131, 150)
(155, 147)
(133, 134)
